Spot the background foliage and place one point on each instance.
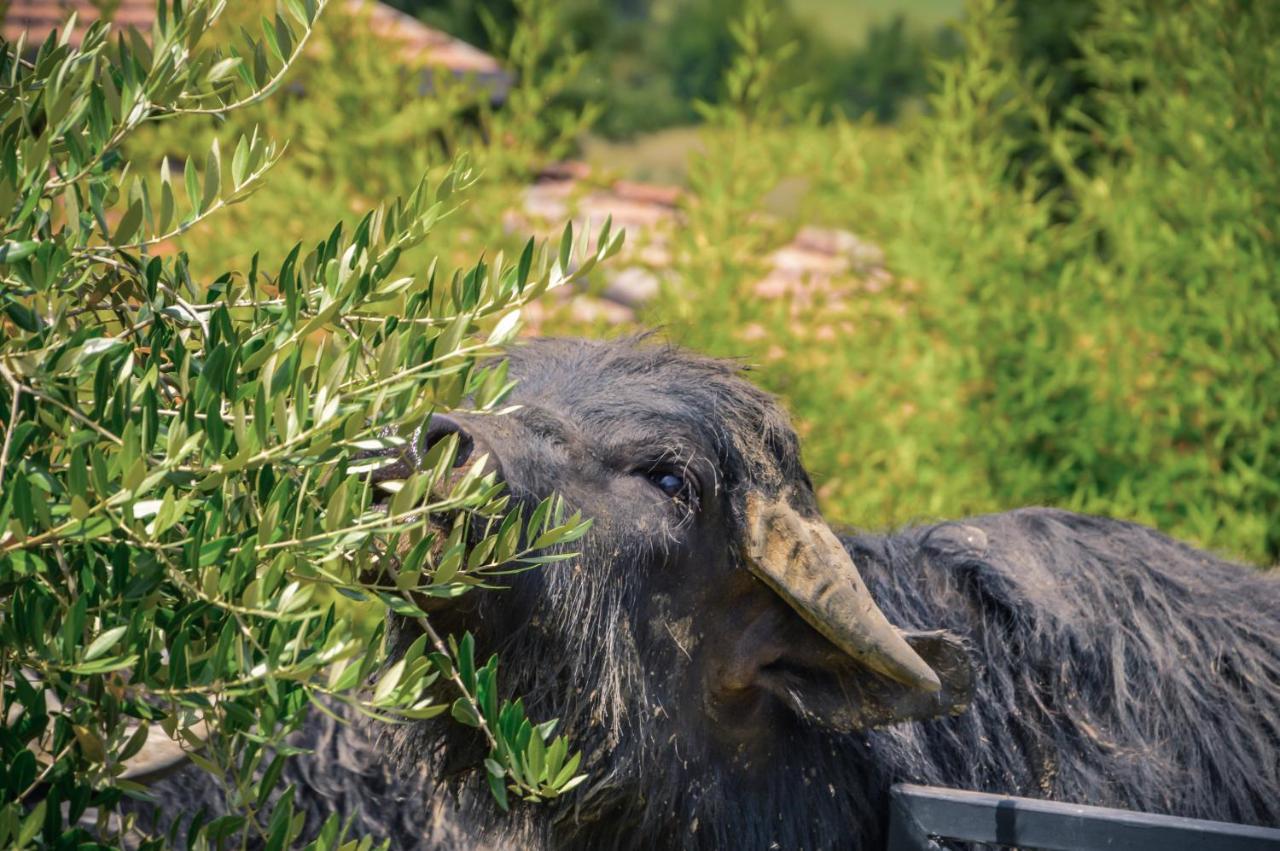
(649, 62)
(1085, 311)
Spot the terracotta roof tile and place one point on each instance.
(648, 213)
(421, 43)
(565, 190)
(820, 267)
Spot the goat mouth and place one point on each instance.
(776, 660)
(814, 693)
(810, 693)
(777, 665)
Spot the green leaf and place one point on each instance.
(269, 35)
(104, 666)
(449, 565)
(281, 819)
(448, 342)
(505, 329)
(336, 513)
(284, 36)
(566, 248)
(423, 711)
(567, 772)
(299, 13)
(538, 520)
(192, 183)
(498, 789)
(166, 198)
(221, 69)
(524, 266)
(30, 825)
(535, 758)
(570, 784)
(240, 162)
(212, 175)
(12, 252)
(555, 757)
(104, 642)
(465, 656)
(464, 713)
(388, 681)
(129, 223)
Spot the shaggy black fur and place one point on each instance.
(1114, 666)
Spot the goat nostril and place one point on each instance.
(441, 426)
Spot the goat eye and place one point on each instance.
(672, 484)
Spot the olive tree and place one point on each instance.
(189, 545)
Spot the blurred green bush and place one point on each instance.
(649, 62)
(1085, 310)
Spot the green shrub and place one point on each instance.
(648, 65)
(185, 455)
(1084, 309)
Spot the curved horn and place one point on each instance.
(805, 564)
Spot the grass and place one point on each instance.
(660, 157)
(846, 22)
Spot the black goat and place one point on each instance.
(719, 660)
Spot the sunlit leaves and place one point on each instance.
(188, 535)
(525, 758)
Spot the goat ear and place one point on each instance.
(879, 701)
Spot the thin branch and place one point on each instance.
(40, 778)
(267, 88)
(67, 409)
(457, 680)
(237, 194)
(117, 137)
(14, 413)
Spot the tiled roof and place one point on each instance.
(418, 39)
(823, 263)
(823, 266)
(40, 17)
(648, 213)
(420, 42)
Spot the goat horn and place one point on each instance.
(804, 563)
